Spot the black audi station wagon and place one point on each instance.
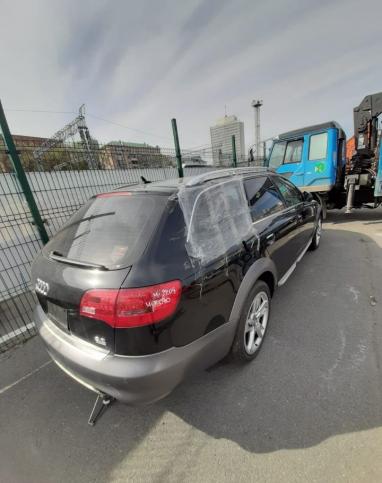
(147, 283)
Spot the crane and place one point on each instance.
(313, 158)
(365, 167)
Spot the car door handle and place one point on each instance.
(270, 239)
(298, 219)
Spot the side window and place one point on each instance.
(318, 146)
(170, 241)
(277, 154)
(293, 152)
(217, 218)
(263, 197)
(291, 194)
(341, 153)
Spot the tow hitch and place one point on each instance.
(102, 402)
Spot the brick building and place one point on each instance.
(121, 154)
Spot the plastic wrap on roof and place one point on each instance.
(217, 218)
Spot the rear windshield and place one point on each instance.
(110, 230)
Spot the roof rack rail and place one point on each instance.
(223, 173)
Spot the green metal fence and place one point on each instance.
(56, 181)
(19, 243)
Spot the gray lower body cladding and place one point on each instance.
(131, 379)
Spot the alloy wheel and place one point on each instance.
(256, 323)
(318, 231)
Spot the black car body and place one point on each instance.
(148, 283)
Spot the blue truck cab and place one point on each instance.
(313, 158)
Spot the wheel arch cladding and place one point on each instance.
(269, 279)
(263, 269)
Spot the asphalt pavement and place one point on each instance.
(309, 408)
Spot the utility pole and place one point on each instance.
(256, 105)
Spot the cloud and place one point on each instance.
(141, 63)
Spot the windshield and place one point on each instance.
(110, 230)
(277, 155)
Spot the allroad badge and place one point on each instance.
(42, 287)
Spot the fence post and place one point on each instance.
(234, 158)
(21, 176)
(177, 147)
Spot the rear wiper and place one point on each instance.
(60, 258)
(88, 218)
(80, 235)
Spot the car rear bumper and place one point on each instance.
(131, 379)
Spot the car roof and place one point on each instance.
(166, 186)
(172, 185)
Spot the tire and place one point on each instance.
(317, 236)
(249, 328)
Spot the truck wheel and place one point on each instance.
(317, 236)
(253, 323)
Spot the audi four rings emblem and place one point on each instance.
(42, 287)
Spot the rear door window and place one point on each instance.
(111, 230)
(217, 218)
(263, 197)
(291, 194)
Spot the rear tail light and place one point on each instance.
(132, 307)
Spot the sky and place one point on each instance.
(137, 64)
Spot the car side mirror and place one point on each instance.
(307, 196)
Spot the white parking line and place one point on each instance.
(15, 333)
(6, 388)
